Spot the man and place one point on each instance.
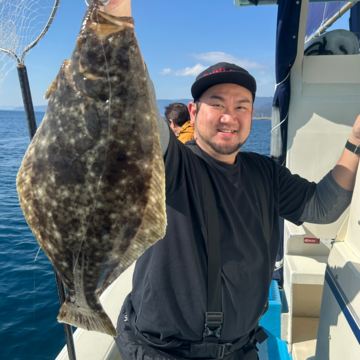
(177, 114)
(164, 315)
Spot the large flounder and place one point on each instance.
(91, 184)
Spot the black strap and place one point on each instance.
(260, 186)
(214, 315)
(265, 212)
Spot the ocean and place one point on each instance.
(29, 303)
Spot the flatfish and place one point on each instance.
(92, 184)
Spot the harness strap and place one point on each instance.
(200, 349)
(260, 187)
(210, 347)
(214, 350)
(214, 316)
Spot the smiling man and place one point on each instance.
(227, 94)
(181, 306)
(167, 314)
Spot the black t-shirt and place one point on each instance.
(169, 293)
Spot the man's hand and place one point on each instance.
(355, 135)
(117, 8)
(344, 173)
(120, 8)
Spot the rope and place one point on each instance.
(324, 11)
(282, 81)
(323, 26)
(279, 264)
(288, 113)
(314, 33)
(275, 127)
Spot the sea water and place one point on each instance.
(29, 303)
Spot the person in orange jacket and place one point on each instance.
(178, 116)
(186, 132)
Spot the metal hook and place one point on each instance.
(101, 3)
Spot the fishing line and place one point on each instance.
(34, 301)
(37, 254)
(33, 311)
(107, 139)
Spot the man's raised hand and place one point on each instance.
(355, 135)
(117, 8)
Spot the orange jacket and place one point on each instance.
(186, 133)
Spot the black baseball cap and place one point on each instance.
(222, 73)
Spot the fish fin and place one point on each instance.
(51, 89)
(25, 187)
(88, 319)
(154, 221)
(66, 69)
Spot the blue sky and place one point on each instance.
(177, 38)
(173, 35)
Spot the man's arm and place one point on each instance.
(333, 193)
(327, 204)
(122, 8)
(164, 130)
(344, 173)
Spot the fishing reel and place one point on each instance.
(101, 3)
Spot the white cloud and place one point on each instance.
(191, 71)
(188, 71)
(263, 72)
(217, 56)
(213, 58)
(166, 72)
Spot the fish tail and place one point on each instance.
(88, 319)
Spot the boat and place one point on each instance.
(315, 315)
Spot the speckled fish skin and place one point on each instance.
(91, 184)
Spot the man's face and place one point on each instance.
(223, 122)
